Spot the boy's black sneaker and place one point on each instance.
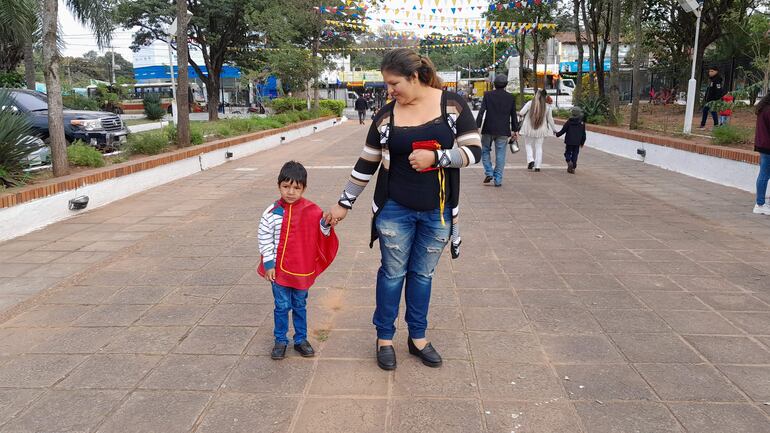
(279, 351)
(530, 165)
(305, 349)
(570, 167)
(537, 170)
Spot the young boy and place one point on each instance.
(296, 246)
(575, 128)
(724, 115)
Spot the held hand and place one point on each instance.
(421, 159)
(335, 215)
(270, 275)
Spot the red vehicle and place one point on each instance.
(133, 99)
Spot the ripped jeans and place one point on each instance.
(411, 243)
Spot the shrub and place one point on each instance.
(332, 105)
(594, 106)
(224, 130)
(171, 133)
(16, 143)
(80, 102)
(729, 134)
(196, 134)
(596, 119)
(282, 105)
(239, 126)
(83, 155)
(12, 80)
(562, 113)
(521, 100)
(148, 143)
(326, 112)
(152, 107)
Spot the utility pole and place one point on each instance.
(113, 64)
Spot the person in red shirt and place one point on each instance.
(724, 114)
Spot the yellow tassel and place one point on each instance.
(441, 193)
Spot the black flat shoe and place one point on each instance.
(537, 170)
(488, 179)
(455, 249)
(428, 354)
(530, 165)
(305, 349)
(279, 351)
(386, 357)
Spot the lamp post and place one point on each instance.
(695, 7)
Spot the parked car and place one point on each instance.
(103, 130)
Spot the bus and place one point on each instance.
(132, 101)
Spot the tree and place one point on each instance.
(579, 41)
(182, 97)
(597, 16)
(615, 62)
(638, 58)
(219, 29)
(18, 21)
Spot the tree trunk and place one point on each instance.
(578, 40)
(316, 42)
(29, 65)
(53, 84)
(212, 93)
(182, 91)
(522, 54)
(590, 44)
(615, 63)
(638, 47)
(535, 55)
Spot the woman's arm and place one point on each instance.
(549, 117)
(525, 108)
(366, 166)
(468, 150)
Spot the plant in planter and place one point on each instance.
(153, 110)
(16, 143)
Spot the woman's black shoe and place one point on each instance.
(386, 357)
(428, 354)
(530, 165)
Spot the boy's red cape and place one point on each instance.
(303, 251)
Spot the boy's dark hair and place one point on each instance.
(293, 171)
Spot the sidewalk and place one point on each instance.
(622, 298)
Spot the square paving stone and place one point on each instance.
(753, 380)
(361, 378)
(573, 349)
(548, 299)
(173, 315)
(161, 277)
(237, 315)
(217, 340)
(734, 302)
(688, 382)
(13, 401)
(196, 295)
(354, 318)
(139, 295)
(349, 344)
(626, 417)
(720, 418)
(543, 281)
(607, 300)
(114, 371)
(77, 340)
(527, 417)
(147, 339)
(35, 371)
(476, 280)
(520, 347)
(445, 416)
(154, 411)
(604, 382)
(260, 294)
(49, 315)
(451, 344)
(753, 323)
(648, 282)
(494, 319)
(659, 301)
(215, 276)
(112, 315)
(330, 415)
(14, 341)
(246, 413)
(729, 350)
(706, 284)
(595, 282)
(510, 381)
(698, 322)
(190, 372)
(486, 298)
(655, 348)
(262, 375)
(562, 320)
(16, 269)
(678, 268)
(80, 295)
(453, 379)
(630, 321)
(66, 411)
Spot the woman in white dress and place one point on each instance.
(537, 124)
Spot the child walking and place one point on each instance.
(724, 114)
(575, 128)
(296, 245)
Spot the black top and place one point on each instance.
(715, 90)
(408, 187)
(501, 117)
(361, 104)
(575, 129)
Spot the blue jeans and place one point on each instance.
(724, 120)
(486, 156)
(763, 177)
(411, 243)
(288, 299)
(571, 154)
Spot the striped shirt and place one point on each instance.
(269, 233)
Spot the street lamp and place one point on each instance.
(695, 7)
(171, 35)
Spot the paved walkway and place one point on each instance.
(624, 298)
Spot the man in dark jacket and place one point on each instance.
(575, 128)
(361, 106)
(499, 124)
(714, 92)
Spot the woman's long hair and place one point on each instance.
(537, 111)
(762, 104)
(405, 62)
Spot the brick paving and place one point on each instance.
(624, 298)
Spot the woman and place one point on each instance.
(412, 141)
(536, 125)
(762, 145)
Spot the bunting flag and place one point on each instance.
(494, 27)
(417, 47)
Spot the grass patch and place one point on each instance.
(83, 155)
(148, 143)
(729, 134)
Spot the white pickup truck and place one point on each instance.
(567, 86)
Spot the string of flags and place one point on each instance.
(496, 27)
(354, 8)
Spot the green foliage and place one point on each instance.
(562, 113)
(148, 143)
(80, 102)
(332, 105)
(196, 135)
(224, 130)
(521, 100)
(594, 108)
(12, 80)
(15, 143)
(282, 105)
(152, 107)
(597, 119)
(83, 155)
(729, 134)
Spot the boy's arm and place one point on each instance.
(583, 135)
(266, 234)
(562, 130)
